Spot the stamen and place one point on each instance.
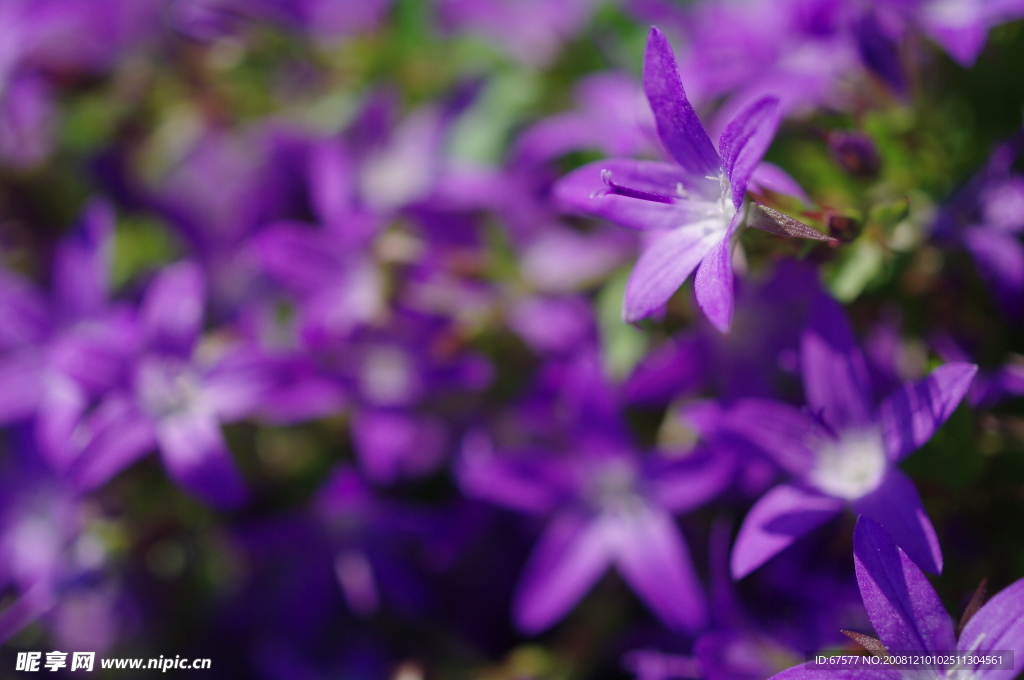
(613, 188)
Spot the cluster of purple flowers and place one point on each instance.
(415, 392)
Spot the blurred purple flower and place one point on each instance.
(179, 393)
(325, 20)
(693, 209)
(612, 115)
(608, 506)
(840, 449)
(58, 355)
(987, 218)
(531, 31)
(908, 616)
(51, 560)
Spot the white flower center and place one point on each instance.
(851, 467)
(388, 377)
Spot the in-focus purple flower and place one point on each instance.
(179, 393)
(691, 209)
(841, 449)
(908, 617)
(608, 506)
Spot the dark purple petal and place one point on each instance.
(331, 183)
(714, 282)
(912, 414)
(570, 557)
(394, 444)
(82, 264)
(61, 407)
(999, 258)
(236, 386)
(896, 505)
(531, 484)
(21, 384)
(118, 433)
(781, 516)
(782, 432)
(680, 485)
(905, 611)
(197, 457)
(300, 257)
(678, 126)
(26, 317)
(879, 51)
(744, 142)
(836, 382)
(676, 367)
(997, 625)
(172, 311)
(664, 265)
(653, 559)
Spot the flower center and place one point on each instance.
(167, 386)
(851, 466)
(613, 486)
(387, 377)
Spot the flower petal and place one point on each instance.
(777, 430)
(902, 605)
(682, 484)
(571, 555)
(714, 282)
(172, 311)
(118, 433)
(779, 518)
(531, 484)
(997, 625)
(590, 189)
(21, 384)
(912, 414)
(197, 457)
(812, 671)
(836, 382)
(744, 141)
(678, 126)
(896, 505)
(654, 561)
(82, 263)
(392, 444)
(999, 258)
(664, 266)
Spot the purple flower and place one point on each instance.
(692, 209)
(52, 558)
(608, 506)
(987, 217)
(909, 617)
(57, 355)
(840, 449)
(531, 31)
(179, 392)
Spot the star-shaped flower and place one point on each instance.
(840, 449)
(909, 618)
(691, 209)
